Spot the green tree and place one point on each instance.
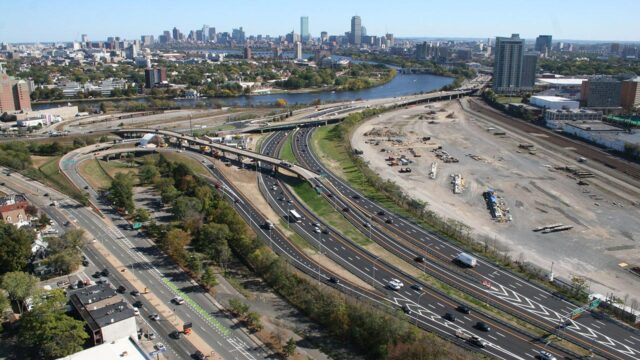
(147, 173)
(238, 308)
(290, 348)
(121, 192)
(208, 278)
(64, 263)
(175, 243)
(15, 245)
(51, 333)
(19, 286)
(142, 215)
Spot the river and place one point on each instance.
(401, 85)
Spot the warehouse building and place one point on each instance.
(553, 102)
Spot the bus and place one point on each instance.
(294, 216)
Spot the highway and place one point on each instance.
(160, 274)
(506, 290)
(428, 307)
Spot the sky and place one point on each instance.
(66, 20)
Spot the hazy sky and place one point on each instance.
(65, 20)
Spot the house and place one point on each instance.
(12, 210)
(16, 217)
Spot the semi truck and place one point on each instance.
(466, 260)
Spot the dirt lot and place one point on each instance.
(532, 183)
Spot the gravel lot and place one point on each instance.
(605, 225)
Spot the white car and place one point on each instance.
(160, 346)
(136, 312)
(178, 300)
(395, 284)
(546, 356)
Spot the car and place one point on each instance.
(52, 204)
(151, 335)
(136, 311)
(317, 230)
(345, 209)
(450, 317)
(315, 224)
(420, 259)
(80, 284)
(46, 195)
(178, 300)
(325, 231)
(175, 334)
(86, 187)
(356, 197)
(477, 341)
(121, 289)
(395, 284)
(329, 195)
(154, 317)
(389, 221)
(406, 309)
(482, 326)
(464, 309)
(2, 183)
(85, 262)
(381, 213)
(417, 287)
(66, 223)
(105, 272)
(198, 355)
(334, 280)
(102, 281)
(137, 304)
(97, 274)
(543, 355)
(160, 347)
(367, 224)
(135, 292)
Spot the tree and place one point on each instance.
(290, 348)
(43, 220)
(186, 208)
(64, 263)
(253, 321)
(142, 215)
(208, 278)
(19, 286)
(147, 173)
(16, 247)
(238, 308)
(50, 332)
(282, 102)
(121, 192)
(175, 242)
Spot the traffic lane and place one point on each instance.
(243, 343)
(397, 298)
(410, 229)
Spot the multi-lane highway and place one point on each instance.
(428, 307)
(160, 274)
(487, 281)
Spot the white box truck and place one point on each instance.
(466, 260)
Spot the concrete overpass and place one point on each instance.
(302, 172)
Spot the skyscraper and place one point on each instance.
(298, 50)
(14, 94)
(84, 38)
(529, 62)
(543, 44)
(507, 66)
(304, 28)
(176, 34)
(356, 31)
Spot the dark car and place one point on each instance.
(2, 184)
(482, 326)
(85, 262)
(356, 197)
(105, 272)
(334, 280)
(135, 293)
(345, 209)
(417, 287)
(450, 317)
(389, 221)
(46, 194)
(381, 213)
(420, 259)
(464, 309)
(406, 309)
(175, 334)
(198, 355)
(86, 187)
(137, 304)
(121, 289)
(97, 274)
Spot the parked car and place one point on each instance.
(160, 347)
(198, 355)
(121, 289)
(135, 292)
(175, 334)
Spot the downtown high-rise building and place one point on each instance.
(356, 31)
(529, 64)
(304, 28)
(298, 50)
(507, 65)
(205, 33)
(543, 44)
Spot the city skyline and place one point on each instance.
(464, 19)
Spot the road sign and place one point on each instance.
(594, 304)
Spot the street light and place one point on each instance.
(419, 296)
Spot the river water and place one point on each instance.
(401, 85)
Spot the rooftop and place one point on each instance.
(95, 293)
(121, 348)
(111, 313)
(551, 98)
(594, 126)
(562, 81)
